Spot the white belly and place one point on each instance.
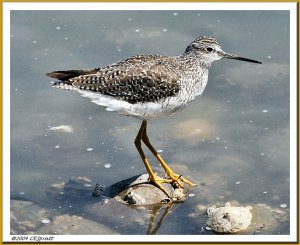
(149, 110)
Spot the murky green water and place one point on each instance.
(233, 140)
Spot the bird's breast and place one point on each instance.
(193, 85)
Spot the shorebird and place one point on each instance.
(147, 87)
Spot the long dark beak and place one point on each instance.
(235, 57)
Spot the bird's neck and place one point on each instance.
(193, 61)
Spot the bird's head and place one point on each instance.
(209, 50)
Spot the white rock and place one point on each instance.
(63, 129)
(229, 219)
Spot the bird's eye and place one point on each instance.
(209, 50)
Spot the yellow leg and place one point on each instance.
(152, 176)
(169, 172)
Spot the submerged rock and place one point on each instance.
(75, 225)
(139, 191)
(229, 219)
(26, 217)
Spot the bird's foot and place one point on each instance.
(179, 179)
(171, 178)
(158, 182)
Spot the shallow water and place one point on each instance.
(233, 140)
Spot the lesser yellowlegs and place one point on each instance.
(147, 87)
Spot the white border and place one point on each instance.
(292, 7)
(149, 6)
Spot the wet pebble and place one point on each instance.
(62, 129)
(45, 221)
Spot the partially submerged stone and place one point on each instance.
(229, 219)
(138, 190)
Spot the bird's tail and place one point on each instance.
(66, 75)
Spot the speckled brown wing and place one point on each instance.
(136, 79)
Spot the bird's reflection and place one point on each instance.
(156, 220)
